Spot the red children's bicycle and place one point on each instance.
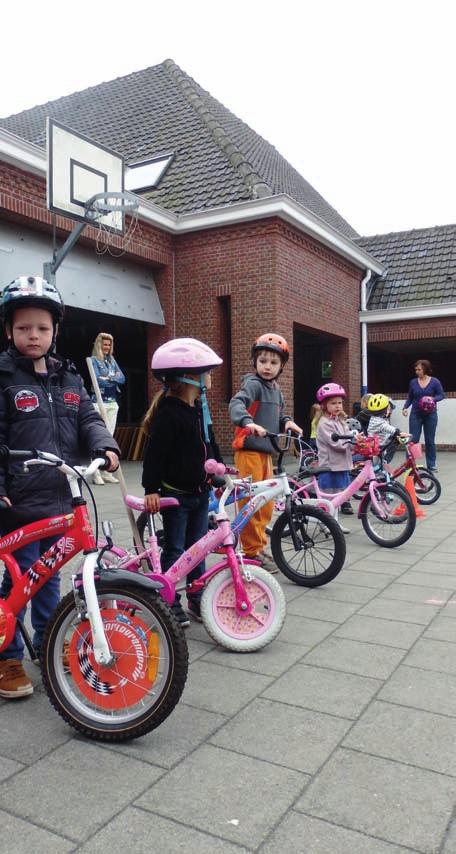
(114, 660)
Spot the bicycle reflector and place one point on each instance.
(367, 446)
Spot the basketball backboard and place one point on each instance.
(78, 169)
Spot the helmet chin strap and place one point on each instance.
(207, 420)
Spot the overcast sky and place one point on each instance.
(359, 96)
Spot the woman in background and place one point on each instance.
(110, 378)
(425, 391)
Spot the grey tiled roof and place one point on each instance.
(421, 267)
(219, 160)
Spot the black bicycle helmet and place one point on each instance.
(31, 292)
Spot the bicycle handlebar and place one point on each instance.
(337, 436)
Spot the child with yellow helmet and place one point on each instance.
(380, 407)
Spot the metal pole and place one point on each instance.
(122, 484)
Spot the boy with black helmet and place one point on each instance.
(43, 404)
(256, 409)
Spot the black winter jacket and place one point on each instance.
(176, 451)
(53, 413)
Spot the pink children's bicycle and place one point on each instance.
(386, 510)
(114, 660)
(242, 606)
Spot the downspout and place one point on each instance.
(364, 333)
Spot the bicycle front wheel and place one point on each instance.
(140, 688)
(397, 520)
(321, 547)
(427, 487)
(243, 632)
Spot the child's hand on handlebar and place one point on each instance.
(255, 429)
(152, 502)
(290, 425)
(113, 461)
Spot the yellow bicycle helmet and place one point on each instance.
(378, 402)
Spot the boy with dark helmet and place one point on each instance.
(43, 404)
(256, 409)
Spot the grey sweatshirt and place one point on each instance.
(257, 402)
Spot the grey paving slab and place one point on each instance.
(256, 731)
(329, 691)
(364, 578)
(389, 800)
(184, 730)
(22, 837)
(423, 595)
(58, 792)
(408, 735)
(20, 717)
(212, 791)
(442, 628)
(253, 735)
(431, 654)
(142, 832)
(302, 834)
(421, 689)
(391, 609)
(305, 631)
(7, 766)
(375, 630)
(273, 660)
(344, 592)
(222, 689)
(318, 608)
(351, 656)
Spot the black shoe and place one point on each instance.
(180, 615)
(193, 608)
(346, 508)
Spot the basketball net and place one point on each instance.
(105, 211)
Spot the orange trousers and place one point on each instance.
(254, 538)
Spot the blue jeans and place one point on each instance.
(44, 602)
(428, 422)
(183, 526)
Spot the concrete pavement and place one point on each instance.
(338, 738)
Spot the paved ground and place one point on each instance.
(338, 738)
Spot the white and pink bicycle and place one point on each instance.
(242, 606)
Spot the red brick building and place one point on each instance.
(231, 242)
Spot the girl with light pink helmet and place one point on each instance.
(335, 455)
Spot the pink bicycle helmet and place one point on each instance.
(183, 355)
(330, 390)
(427, 404)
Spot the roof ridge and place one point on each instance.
(258, 187)
(448, 225)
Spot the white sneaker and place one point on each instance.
(344, 529)
(97, 479)
(109, 478)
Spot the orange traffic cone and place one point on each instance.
(410, 487)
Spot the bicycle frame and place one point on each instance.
(77, 536)
(366, 475)
(223, 536)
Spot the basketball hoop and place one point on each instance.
(107, 211)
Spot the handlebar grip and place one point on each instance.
(336, 436)
(7, 453)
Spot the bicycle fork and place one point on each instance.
(101, 650)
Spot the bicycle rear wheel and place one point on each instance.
(427, 487)
(398, 520)
(321, 546)
(135, 693)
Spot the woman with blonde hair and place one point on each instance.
(110, 378)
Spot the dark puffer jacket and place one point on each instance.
(53, 413)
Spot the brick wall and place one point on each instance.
(410, 330)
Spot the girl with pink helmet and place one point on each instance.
(180, 439)
(335, 455)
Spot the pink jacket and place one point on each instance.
(335, 455)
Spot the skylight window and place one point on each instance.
(146, 175)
